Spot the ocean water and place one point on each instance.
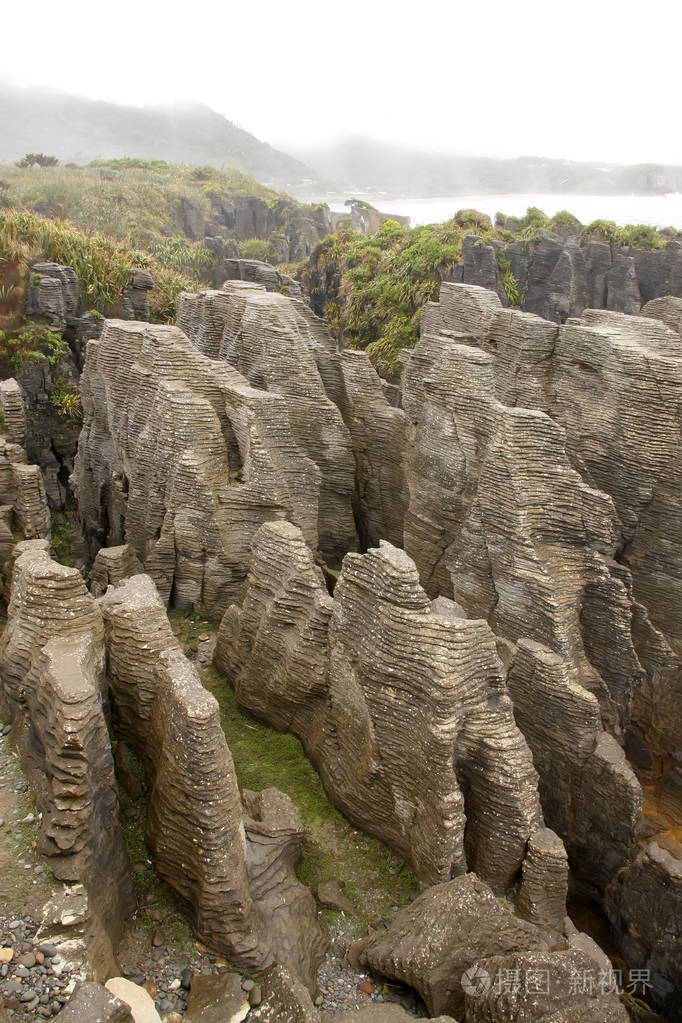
(656, 210)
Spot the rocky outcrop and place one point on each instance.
(399, 702)
(135, 297)
(22, 498)
(558, 276)
(52, 675)
(442, 934)
(338, 413)
(92, 1003)
(668, 310)
(268, 339)
(13, 411)
(111, 566)
(542, 464)
(181, 458)
(53, 293)
(254, 271)
(274, 845)
(233, 872)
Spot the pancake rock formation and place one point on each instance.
(543, 464)
(400, 703)
(233, 872)
(52, 676)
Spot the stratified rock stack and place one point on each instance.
(13, 411)
(52, 676)
(244, 902)
(544, 469)
(266, 337)
(111, 566)
(183, 460)
(400, 704)
(335, 404)
(194, 823)
(22, 495)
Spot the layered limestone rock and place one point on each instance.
(268, 339)
(48, 601)
(543, 464)
(613, 383)
(183, 460)
(399, 702)
(52, 676)
(69, 762)
(111, 566)
(549, 987)
(337, 409)
(13, 411)
(233, 872)
(274, 845)
(22, 494)
(194, 823)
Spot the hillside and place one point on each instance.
(79, 130)
(365, 164)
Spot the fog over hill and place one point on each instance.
(367, 165)
(79, 130)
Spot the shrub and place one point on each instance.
(40, 158)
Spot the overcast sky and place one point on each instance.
(585, 79)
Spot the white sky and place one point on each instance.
(584, 79)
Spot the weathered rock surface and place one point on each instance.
(111, 566)
(54, 292)
(549, 987)
(544, 882)
(667, 309)
(234, 873)
(274, 845)
(400, 704)
(183, 460)
(558, 277)
(93, 1003)
(284, 999)
(52, 675)
(22, 494)
(444, 932)
(13, 411)
(542, 464)
(135, 297)
(257, 272)
(268, 339)
(217, 1000)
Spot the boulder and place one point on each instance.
(138, 1000)
(93, 1003)
(448, 929)
(217, 1000)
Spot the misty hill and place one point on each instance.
(361, 164)
(80, 130)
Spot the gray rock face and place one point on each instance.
(559, 277)
(52, 675)
(442, 934)
(135, 297)
(234, 873)
(382, 686)
(668, 310)
(183, 460)
(550, 987)
(256, 272)
(92, 1003)
(111, 566)
(54, 293)
(22, 496)
(13, 411)
(268, 339)
(542, 465)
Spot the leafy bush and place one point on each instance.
(40, 158)
(254, 248)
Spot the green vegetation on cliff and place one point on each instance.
(372, 289)
(101, 263)
(137, 201)
(381, 282)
